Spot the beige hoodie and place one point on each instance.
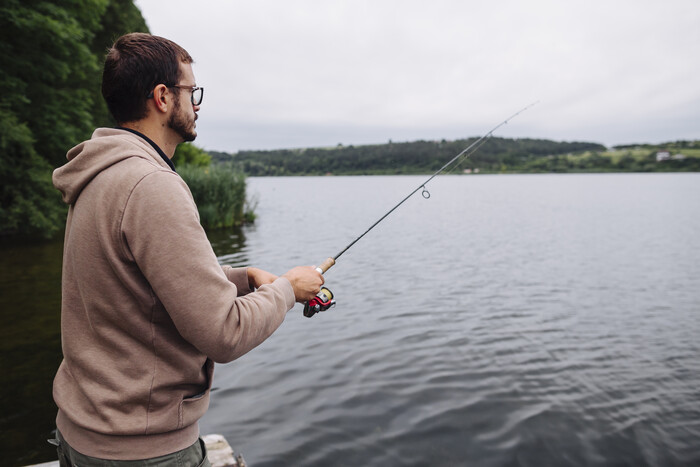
(146, 307)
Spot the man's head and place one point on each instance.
(134, 66)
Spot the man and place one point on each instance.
(146, 308)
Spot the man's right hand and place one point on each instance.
(306, 282)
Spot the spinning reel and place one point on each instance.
(321, 302)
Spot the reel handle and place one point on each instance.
(326, 265)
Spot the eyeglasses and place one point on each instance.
(197, 93)
(196, 96)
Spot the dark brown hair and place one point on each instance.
(135, 65)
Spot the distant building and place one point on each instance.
(666, 156)
(663, 156)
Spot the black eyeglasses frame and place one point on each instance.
(193, 90)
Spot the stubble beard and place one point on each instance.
(181, 124)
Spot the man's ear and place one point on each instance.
(161, 98)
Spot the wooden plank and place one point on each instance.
(219, 452)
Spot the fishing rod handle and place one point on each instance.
(326, 265)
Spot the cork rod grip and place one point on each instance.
(326, 265)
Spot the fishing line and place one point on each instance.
(327, 264)
(324, 300)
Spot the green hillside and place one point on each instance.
(496, 155)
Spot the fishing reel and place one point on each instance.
(321, 302)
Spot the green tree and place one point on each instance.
(189, 154)
(51, 54)
(28, 202)
(48, 64)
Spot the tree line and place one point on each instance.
(495, 155)
(51, 54)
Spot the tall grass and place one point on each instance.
(220, 194)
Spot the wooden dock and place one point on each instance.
(219, 452)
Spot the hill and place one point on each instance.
(496, 155)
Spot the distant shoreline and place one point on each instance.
(496, 155)
(478, 174)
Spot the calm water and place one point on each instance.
(508, 320)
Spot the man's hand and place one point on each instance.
(258, 277)
(306, 282)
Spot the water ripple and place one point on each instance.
(531, 329)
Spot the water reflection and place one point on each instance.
(30, 339)
(230, 246)
(30, 347)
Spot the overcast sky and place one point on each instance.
(290, 73)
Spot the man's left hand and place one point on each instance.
(258, 277)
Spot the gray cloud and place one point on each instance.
(312, 73)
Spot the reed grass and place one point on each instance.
(220, 194)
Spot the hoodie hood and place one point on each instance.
(106, 147)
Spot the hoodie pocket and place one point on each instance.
(192, 408)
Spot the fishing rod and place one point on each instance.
(324, 300)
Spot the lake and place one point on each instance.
(507, 320)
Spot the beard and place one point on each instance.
(181, 124)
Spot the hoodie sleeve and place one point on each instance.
(239, 276)
(161, 231)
